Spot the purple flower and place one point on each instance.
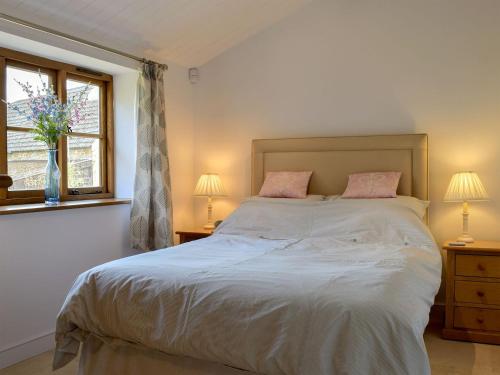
(51, 117)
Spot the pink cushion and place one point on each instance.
(285, 184)
(372, 185)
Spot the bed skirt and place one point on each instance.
(102, 358)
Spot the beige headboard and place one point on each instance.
(332, 159)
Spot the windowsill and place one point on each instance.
(67, 205)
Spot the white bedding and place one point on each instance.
(281, 288)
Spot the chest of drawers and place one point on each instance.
(473, 292)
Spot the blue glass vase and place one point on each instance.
(52, 180)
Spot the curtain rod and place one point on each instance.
(48, 30)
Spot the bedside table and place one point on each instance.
(473, 292)
(192, 235)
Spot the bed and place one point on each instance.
(310, 286)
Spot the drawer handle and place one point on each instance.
(480, 267)
(480, 320)
(480, 294)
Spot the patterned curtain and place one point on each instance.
(151, 216)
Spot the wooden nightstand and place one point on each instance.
(473, 292)
(192, 235)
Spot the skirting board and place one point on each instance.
(28, 349)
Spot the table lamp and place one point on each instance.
(465, 187)
(209, 185)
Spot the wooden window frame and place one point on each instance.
(58, 74)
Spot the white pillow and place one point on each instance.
(308, 198)
(419, 207)
(332, 197)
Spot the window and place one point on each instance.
(84, 144)
(84, 157)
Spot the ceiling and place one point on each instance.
(187, 32)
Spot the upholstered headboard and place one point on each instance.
(332, 159)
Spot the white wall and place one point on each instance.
(40, 256)
(342, 67)
(124, 95)
(42, 253)
(180, 139)
(363, 67)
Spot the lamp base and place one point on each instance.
(465, 238)
(209, 226)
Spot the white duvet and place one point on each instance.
(308, 288)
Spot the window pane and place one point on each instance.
(84, 162)
(16, 95)
(26, 161)
(90, 113)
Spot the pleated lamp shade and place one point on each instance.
(209, 185)
(465, 186)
